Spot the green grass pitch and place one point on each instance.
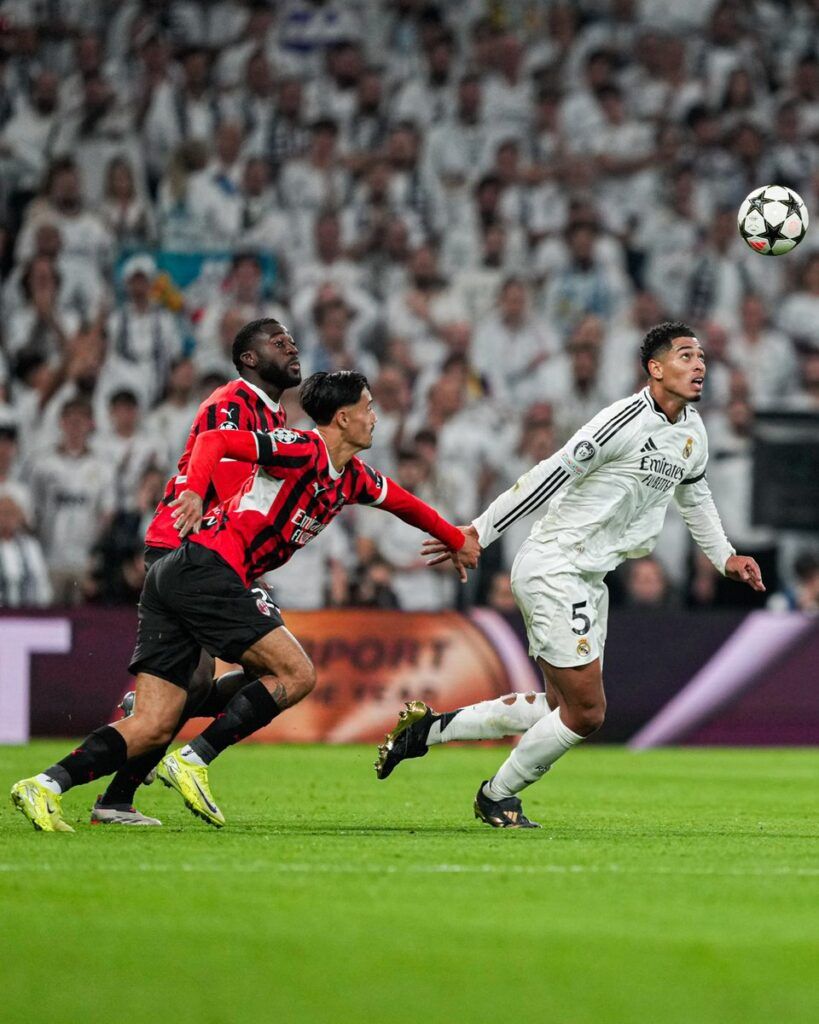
(675, 886)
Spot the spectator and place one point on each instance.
(416, 585)
(366, 128)
(585, 287)
(803, 594)
(127, 216)
(215, 191)
(646, 584)
(373, 585)
(73, 497)
(289, 136)
(799, 314)
(316, 181)
(27, 138)
(117, 568)
(184, 112)
(171, 419)
(427, 307)
(329, 262)
(522, 337)
(143, 338)
(43, 324)
(765, 355)
(98, 130)
(500, 597)
(127, 449)
(83, 232)
(180, 226)
(24, 579)
(573, 381)
(536, 442)
(730, 474)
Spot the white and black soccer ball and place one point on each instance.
(773, 220)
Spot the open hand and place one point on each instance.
(187, 513)
(465, 558)
(745, 570)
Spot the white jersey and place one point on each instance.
(72, 494)
(608, 488)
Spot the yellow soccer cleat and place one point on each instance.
(42, 807)
(191, 782)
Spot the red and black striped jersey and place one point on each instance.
(237, 405)
(292, 495)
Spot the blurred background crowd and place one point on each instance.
(482, 205)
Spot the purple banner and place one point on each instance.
(70, 668)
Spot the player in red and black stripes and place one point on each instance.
(202, 594)
(267, 360)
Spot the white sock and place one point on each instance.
(537, 751)
(49, 783)
(491, 719)
(187, 753)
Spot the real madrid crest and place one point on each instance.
(688, 447)
(583, 648)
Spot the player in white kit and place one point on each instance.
(608, 490)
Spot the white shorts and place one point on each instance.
(565, 611)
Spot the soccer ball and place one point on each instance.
(773, 220)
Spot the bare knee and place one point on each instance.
(148, 731)
(303, 680)
(585, 719)
(292, 683)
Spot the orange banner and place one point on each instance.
(369, 662)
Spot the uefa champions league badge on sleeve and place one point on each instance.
(281, 435)
(583, 451)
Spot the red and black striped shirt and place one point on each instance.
(294, 492)
(237, 405)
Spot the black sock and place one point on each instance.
(123, 787)
(99, 754)
(250, 709)
(221, 692)
(129, 778)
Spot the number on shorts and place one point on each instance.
(578, 616)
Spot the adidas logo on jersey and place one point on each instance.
(649, 446)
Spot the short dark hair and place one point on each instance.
(81, 405)
(659, 339)
(323, 394)
(243, 342)
(125, 395)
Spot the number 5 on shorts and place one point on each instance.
(578, 616)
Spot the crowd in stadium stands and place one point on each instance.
(481, 205)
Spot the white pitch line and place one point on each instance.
(418, 869)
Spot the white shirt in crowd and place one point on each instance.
(24, 578)
(72, 495)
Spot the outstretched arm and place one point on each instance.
(417, 513)
(696, 505)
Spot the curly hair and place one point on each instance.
(659, 339)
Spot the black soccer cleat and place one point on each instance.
(506, 813)
(407, 739)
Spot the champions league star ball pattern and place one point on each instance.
(773, 220)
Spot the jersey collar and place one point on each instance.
(335, 474)
(268, 401)
(655, 408)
